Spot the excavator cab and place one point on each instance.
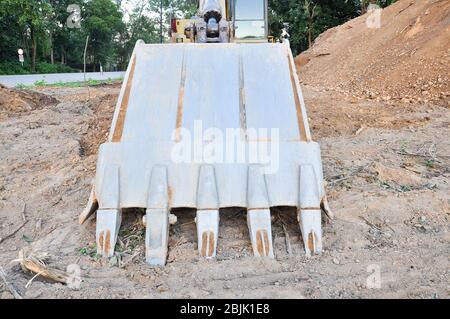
(250, 21)
(216, 122)
(224, 21)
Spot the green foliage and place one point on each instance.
(41, 68)
(363, 4)
(139, 26)
(27, 238)
(170, 9)
(90, 251)
(30, 18)
(21, 86)
(68, 43)
(102, 22)
(44, 68)
(308, 18)
(39, 27)
(13, 68)
(76, 84)
(40, 83)
(430, 163)
(176, 8)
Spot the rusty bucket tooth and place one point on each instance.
(207, 219)
(258, 214)
(309, 214)
(157, 218)
(109, 215)
(108, 224)
(258, 221)
(207, 232)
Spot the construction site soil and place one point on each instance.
(386, 155)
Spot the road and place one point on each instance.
(30, 79)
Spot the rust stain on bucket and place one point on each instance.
(118, 130)
(262, 242)
(107, 242)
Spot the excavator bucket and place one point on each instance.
(208, 126)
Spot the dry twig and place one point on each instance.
(131, 259)
(286, 236)
(25, 221)
(288, 241)
(8, 285)
(351, 174)
(36, 264)
(371, 224)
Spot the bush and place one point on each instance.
(44, 67)
(62, 68)
(40, 83)
(12, 68)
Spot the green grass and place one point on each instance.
(403, 145)
(40, 83)
(90, 251)
(28, 239)
(89, 82)
(429, 163)
(21, 86)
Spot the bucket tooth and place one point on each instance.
(309, 213)
(156, 236)
(259, 225)
(207, 232)
(207, 219)
(109, 215)
(157, 218)
(310, 226)
(258, 214)
(108, 224)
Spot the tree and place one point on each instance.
(102, 21)
(141, 25)
(170, 9)
(306, 19)
(66, 42)
(11, 35)
(310, 9)
(364, 4)
(32, 18)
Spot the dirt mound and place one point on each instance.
(334, 114)
(14, 101)
(103, 107)
(407, 59)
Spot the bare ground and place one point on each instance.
(407, 59)
(387, 168)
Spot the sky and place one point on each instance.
(129, 5)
